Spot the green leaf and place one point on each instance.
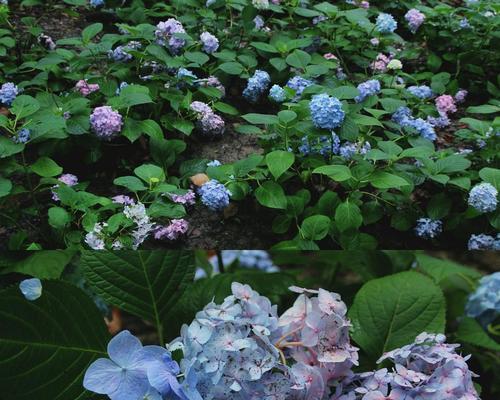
(264, 47)
(145, 283)
(491, 175)
(271, 195)
(264, 119)
(390, 312)
(279, 161)
(46, 167)
(315, 227)
(298, 59)
(90, 31)
(130, 182)
(150, 173)
(469, 331)
(337, 173)
(24, 106)
(385, 180)
(197, 57)
(46, 264)
(440, 270)
(58, 217)
(131, 95)
(454, 163)
(287, 116)
(344, 92)
(232, 68)
(5, 187)
(51, 340)
(484, 109)
(226, 108)
(348, 216)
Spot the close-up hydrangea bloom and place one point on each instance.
(31, 288)
(445, 104)
(415, 19)
(427, 228)
(105, 122)
(326, 111)
(210, 42)
(323, 145)
(422, 92)
(166, 35)
(484, 197)
(484, 302)
(298, 84)
(277, 94)
(257, 85)
(68, 180)
(386, 23)
(86, 88)
(8, 93)
(173, 231)
(484, 242)
(214, 195)
(366, 89)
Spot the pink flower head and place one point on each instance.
(445, 104)
(330, 56)
(414, 18)
(380, 63)
(365, 4)
(86, 88)
(187, 199)
(174, 231)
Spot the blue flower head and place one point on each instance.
(386, 23)
(483, 242)
(257, 85)
(428, 228)
(483, 197)
(324, 145)
(422, 92)
(214, 195)
(484, 303)
(8, 93)
(326, 111)
(277, 94)
(22, 136)
(366, 89)
(31, 288)
(96, 3)
(298, 84)
(124, 376)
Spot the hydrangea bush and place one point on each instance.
(371, 124)
(247, 329)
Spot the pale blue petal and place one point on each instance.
(31, 288)
(123, 347)
(103, 376)
(134, 386)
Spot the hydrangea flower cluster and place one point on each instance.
(403, 117)
(31, 288)
(381, 62)
(251, 259)
(256, 85)
(214, 195)
(324, 145)
(121, 53)
(95, 239)
(422, 92)
(68, 180)
(366, 89)
(483, 197)
(298, 84)
(210, 42)
(166, 35)
(86, 88)
(445, 104)
(211, 124)
(484, 242)
(261, 4)
(212, 81)
(105, 122)
(277, 94)
(427, 369)
(484, 303)
(428, 228)
(123, 199)
(96, 3)
(326, 111)
(460, 96)
(8, 93)
(348, 150)
(386, 23)
(138, 214)
(134, 371)
(187, 199)
(415, 19)
(46, 41)
(22, 136)
(173, 231)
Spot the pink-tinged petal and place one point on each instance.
(103, 376)
(122, 348)
(374, 396)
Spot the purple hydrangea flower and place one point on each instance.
(121, 53)
(211, 124)
(188, 199)
(68, 180)
(105, 122)
(166, 35)
(210, 42)
(414, 18)
(122, 199)
(200, 108)
(173, 231)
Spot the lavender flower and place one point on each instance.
(105, 122)
(166, 35)
(428, 229)
(8, 93)
(68, 180)
(415, 18)
(188, 199)
(210, 42)
(174, 231)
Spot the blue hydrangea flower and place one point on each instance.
(324, 145)
(483, 197)
(22, 136)
(31, 288)
(298, 84)
(366, 89)
(257, 85)
(125, 375)
(326, 111)
(214, 163)
(348, 150)
(386, 23)
(96, 3)
(122, 86)
(422, 92)
(121, 53)
(428, 228)
(210, 42)
(185, 73)
(8, 93)
(484, 303)
(277, 94)
(403, 117)
(214, 195)
(464, 23)
(483, 242)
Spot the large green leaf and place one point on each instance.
(46, 264)
(279, 161)
(439, 270)
(271, 195)
(145, 283)
(47, 344)
(469, 331)
(390, 312)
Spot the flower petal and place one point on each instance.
(103, 376)
(134, 386)
(31, 288)
(123, 347)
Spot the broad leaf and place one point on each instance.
(279, 161)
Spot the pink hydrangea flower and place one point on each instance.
(380, 63)
(445, 104)
(86, 88)
(122, 199)
(187, 199)
(176, 229)
(330, 56)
